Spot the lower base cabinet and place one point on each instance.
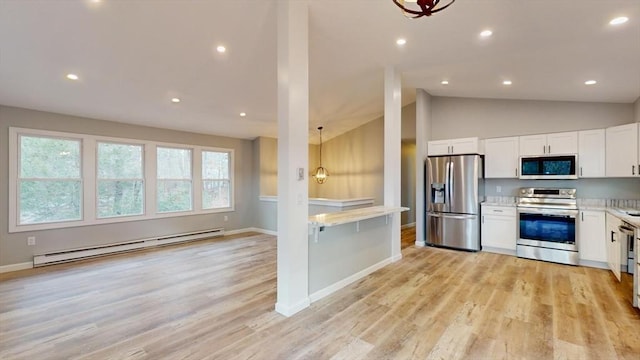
(498, 229)
(592, 237)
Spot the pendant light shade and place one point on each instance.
(321, 173)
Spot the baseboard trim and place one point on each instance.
(291, 310)
(350, 279)
(409, 225)
(594, 264)
(499, 250)
(421, 243)
(16, 267)
(251, 229)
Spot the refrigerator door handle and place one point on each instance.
(453, 216)
(447, 186)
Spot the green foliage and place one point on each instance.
(174, 195)
(49, 201)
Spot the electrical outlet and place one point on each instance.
(499, 189)
(226, 218)
(31, 241)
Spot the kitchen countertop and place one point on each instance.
(349, 216)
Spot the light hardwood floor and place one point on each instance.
(214, 299)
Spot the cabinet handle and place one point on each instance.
(633, 169)
(483, 219)
(544, 149)
(582, 216)
(580, 170)
(549, 152)
(612, 239)
(516, 172)
(497, 210)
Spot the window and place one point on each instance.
(49, 184)
(120, 180)
(60, 180)
(174, 179)
(216, 183)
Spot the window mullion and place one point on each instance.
(88, 170)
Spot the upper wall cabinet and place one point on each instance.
(501, 157)
(591, 153)
(622, 151)
(454, 146)
(549, 144)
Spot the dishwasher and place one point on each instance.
(629, 233)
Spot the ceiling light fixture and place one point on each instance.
(321, 173)
(507, 82)
(175, 100)
(590, 82)
(72, 77)
(619, 20)
(401, 41)
(243, 114)
(445, 82)
(423, 8)
(221, 49)
(486, 33)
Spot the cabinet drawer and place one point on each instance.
(499, 210)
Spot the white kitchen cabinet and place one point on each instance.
(622, 151)
(614, 245)
(501, 157)
(591, 153)
(454, 146)
(438, 147)
(549, 144)
(592, 236)
(498, 229)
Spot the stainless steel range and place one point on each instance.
(547, 226)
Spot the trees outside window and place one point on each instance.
(120, 180)
(216, 183)
(59, 180)
(50, 183)
(174, 183)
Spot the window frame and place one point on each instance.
(229, 179)
(19, 179)
(89, 184)
(190, 179)
(98, 179)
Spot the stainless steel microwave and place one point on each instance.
(550, 167)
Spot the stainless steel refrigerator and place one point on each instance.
(454, 191)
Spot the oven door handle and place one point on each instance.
(547, 211)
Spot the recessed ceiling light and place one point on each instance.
(243, 114)
(175, 100)
(221, 49)
(619, 20)
(72, 77)
(486, 33)
(507, 82)
(590, 82)
(401, 41)
(444, 82)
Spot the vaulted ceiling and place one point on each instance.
(132, 57)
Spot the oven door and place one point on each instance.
(548, 228)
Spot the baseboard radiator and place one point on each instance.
(100, 250)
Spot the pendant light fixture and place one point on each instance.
(422, 7)
(321, 173)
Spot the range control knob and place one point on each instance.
(563, 192)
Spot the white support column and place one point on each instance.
(293, 154)
(392, 149)
(423, 128)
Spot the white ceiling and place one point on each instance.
(133, 56)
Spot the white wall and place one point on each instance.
(637, 110)
(486, 118)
